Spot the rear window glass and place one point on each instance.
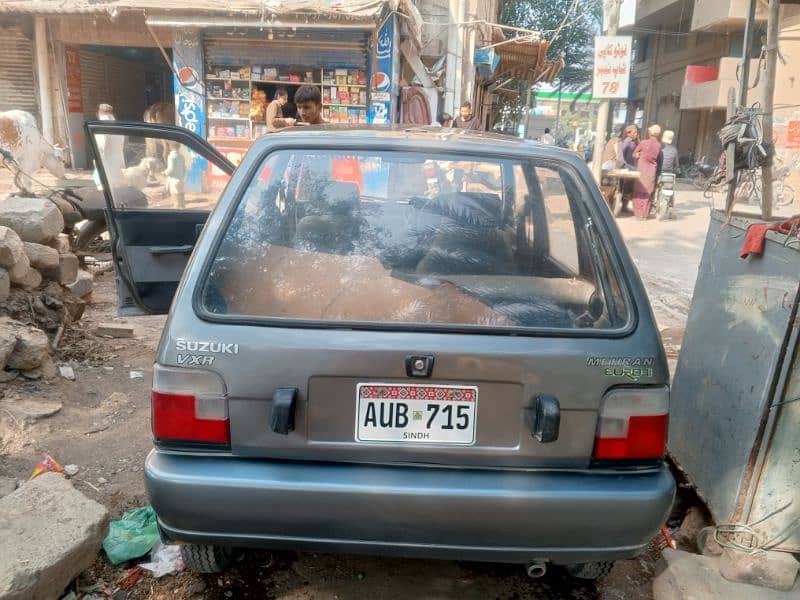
(412, 238)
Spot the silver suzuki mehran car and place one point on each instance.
(416, 342)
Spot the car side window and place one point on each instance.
(560, 220)
(150, 173)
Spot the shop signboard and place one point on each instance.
(612, 66)
(793, 134)
(383, 84)
(189, 96)
(74, 92)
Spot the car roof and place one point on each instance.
(421, 135)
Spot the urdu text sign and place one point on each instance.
(612, 66)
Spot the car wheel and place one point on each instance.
(205, 559)
(590, 570)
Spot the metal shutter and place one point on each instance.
(93, 82)
(17, 83)
(309, 48)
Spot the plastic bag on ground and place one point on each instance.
(132, 536)
(164, 560)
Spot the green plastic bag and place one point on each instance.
(132, 536)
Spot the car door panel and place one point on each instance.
(153, 239)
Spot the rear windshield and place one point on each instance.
(413, 238)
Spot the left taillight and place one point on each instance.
(189, 407)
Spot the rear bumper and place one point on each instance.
(502, 516)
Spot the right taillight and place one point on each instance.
(633, 424)
(189, 407)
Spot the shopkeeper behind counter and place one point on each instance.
(275, 119)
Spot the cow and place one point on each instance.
(21, 140)
(163, 113)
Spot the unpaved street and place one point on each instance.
(103, 428)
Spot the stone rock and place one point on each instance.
(11, 248)
(31, 281)
(60, 244)
(8, 341)
(40, 256)
(47, 370)
(5, 285)
(82, 285)
(692, 523)
(31, 347)
(7, 376)
(67, 372)
(49, 533)
(67, 270)
(690, 576)
(31, 411)
(34, 219)
(7, 485)
(20, 270)
(776, 570)
(71, 470)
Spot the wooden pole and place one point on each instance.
(773, 30)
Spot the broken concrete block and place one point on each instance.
(60, 244)
(82, 285)
(776, 570)
(34, 219)
(694, 577)
(11, 248)
(7, 485)
(30, 411)
(5, 285)
(114, 330)
(31, 281)
(67, 270)
(31, 347)
(40, 256)
(8, 341)
(49, 533)
(20, 270)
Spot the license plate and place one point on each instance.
(416, 413)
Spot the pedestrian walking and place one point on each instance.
(647, 155)
(669, 160)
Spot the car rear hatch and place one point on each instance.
(487, 323)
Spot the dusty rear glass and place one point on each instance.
(413, 238)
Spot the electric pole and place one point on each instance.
(610, 8)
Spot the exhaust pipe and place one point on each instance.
(536, 569)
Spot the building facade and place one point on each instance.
(687, 56)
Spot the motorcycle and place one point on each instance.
(665, 196)
(703, 173)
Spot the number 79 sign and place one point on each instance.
(612, 66)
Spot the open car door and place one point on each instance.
(160, 183)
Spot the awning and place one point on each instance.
(523, 58)
(240, 9)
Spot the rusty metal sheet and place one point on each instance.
(736, 335)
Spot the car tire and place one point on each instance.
(590, 570)
(205, 559)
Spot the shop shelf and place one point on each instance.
(230, 79)
(275, 82)
(215, 98)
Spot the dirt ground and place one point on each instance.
(104, 429)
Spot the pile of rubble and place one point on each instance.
(42, 288)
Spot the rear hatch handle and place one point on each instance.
(284, 402)
(544, 418)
